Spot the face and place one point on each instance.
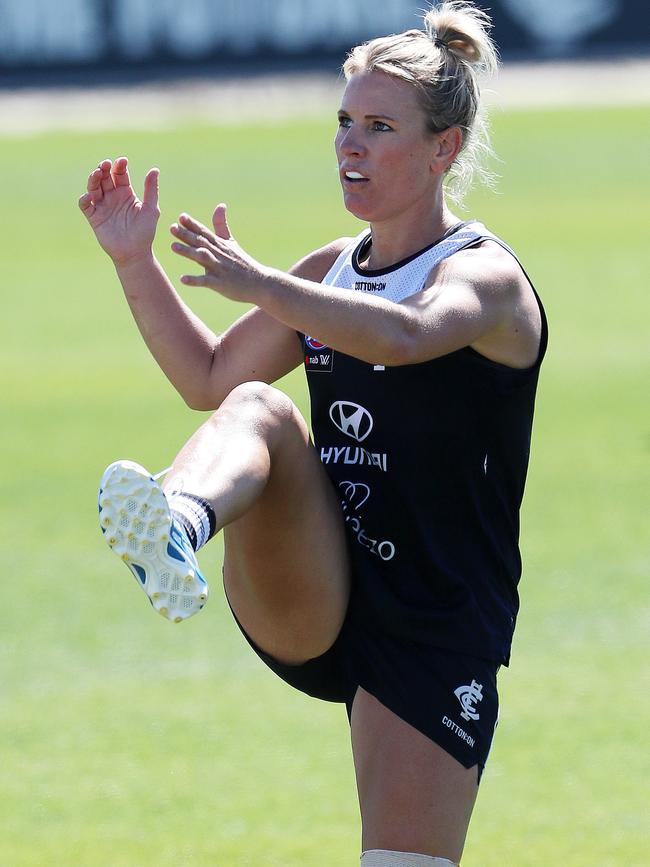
(388, 163)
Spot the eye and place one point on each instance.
(344, 121)
(380, 126)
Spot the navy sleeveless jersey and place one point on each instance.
(430, 461)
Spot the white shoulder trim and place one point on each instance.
(344, 258)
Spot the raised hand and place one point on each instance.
(228, 268)
(125, 226)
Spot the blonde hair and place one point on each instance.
(443, 62)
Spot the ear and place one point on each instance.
(447, 147)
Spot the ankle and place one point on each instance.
(195, 515)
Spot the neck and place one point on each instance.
(399, 238)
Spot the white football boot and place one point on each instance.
(137, 523)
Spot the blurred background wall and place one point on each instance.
(103, 38)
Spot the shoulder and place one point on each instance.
(489, 285)
(314, 266)
(486, 268)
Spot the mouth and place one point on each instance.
(354, 177)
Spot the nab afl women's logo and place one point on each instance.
(319, 358)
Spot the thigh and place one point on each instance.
(414, 796)
(286, 569)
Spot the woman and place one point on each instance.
(379, 567)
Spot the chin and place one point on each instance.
(361, 211)
(370, 211)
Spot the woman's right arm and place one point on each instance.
(202, 366)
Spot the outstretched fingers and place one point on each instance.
(196, 234)
(86, 205)
(100, 181)
(106, 178)
(197, 248)
(94, 185)
(188, 222)
(197, 252)
(150, 194)
(228, 269)
(120, 172)
(220, 222)
(190, 237)
(205, 280)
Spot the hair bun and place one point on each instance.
(462, 28)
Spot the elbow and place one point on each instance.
(404, 346)
(199, 402)
(397, 355)
(198, 399)
(196, 404)
(199, 395)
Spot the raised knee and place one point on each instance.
(256, 390)
(263, 410)
(260, 397)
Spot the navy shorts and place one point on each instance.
(450, 697)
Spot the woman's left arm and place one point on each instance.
(453, 311)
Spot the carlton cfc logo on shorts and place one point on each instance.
(468, 696)
(319, 358)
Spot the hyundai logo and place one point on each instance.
(351, 419)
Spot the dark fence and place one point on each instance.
(42, 36)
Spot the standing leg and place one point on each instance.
(414, 797)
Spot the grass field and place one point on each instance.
(131, 741)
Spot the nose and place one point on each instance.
(349, 142)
